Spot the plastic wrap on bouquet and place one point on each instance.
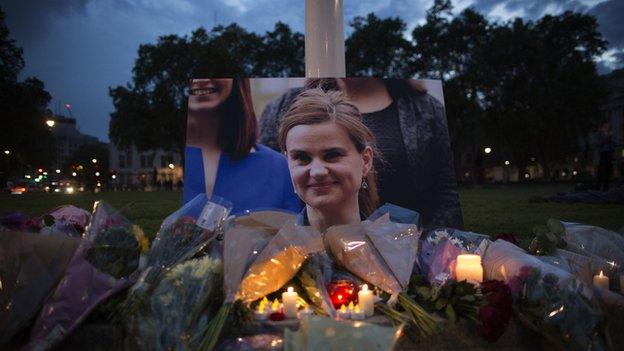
(315, 274)
(105, 262)
(503, 260)
(30, 268)
(320, 333)
(279, 261)
(396, 214)
(66, 219)
(603, 247)
(381, 252)
(181, 236)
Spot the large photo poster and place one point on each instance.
(236, 150)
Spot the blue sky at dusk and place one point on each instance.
(80, 48)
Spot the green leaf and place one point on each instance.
(540, 230)
(450, 313)
(555, 226)
(441, 303)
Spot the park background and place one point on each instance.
(525, 103)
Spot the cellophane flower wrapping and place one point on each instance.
(179, 307)
(67, 219)
(181, 236)
(321, 333)
(31, 266)
(105, 262)
(243, 243)
(381, 253)
(279, 261)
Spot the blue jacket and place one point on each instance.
(259, 181)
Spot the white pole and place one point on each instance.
(324, 39)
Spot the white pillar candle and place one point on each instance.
(289, 300)
(357, 313)
(366, 301)
(469, 268)
(601, 281)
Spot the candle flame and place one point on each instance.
(351, 305)
(290, 289)
(343, 308)
(357, 309)
(339, 297)
(601, 274)
(275, 305)
(365, 287)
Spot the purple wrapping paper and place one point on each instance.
(78, 293)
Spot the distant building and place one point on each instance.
(148, 170)
(613, 113)
(67, 139)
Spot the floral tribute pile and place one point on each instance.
(213, 281)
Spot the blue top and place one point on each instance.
(256, 182)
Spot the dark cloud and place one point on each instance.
(531, 9)
(610, 15)
(28, 20)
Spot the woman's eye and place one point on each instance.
(301, 158)
(332, 155)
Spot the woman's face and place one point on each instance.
(325, 167)
(208, 94)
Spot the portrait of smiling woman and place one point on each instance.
(222, 156)
(330, 157)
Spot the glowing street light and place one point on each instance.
(113, 177)
(27, 176)
(487, 150)
(7, 152)
(50, 123)
(74, 174)
(58, 171)
(97, 174)
(171, 165)
(94, 160)
(507, 163)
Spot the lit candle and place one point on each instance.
(601, 281)
(366, 301)
(357, 313)
(305, 312)
(351, 306)
(343, 312)
(275, 306)
(262, 312)
(469, 268)
(289, 300)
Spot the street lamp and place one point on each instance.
(7, 152)
(507, 163)
(93, 160)
(97, 174)
(50, 123)
(58, 171)
(171, 165)
(487, 150)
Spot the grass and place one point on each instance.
(487, 210)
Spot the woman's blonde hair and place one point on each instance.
(314, 106)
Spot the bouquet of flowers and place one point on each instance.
(31, 265)
(105, 262)
(257, 263)
(66, 219)
(382, 253)
(182, 235)
(179, 306)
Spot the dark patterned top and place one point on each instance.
(425, 137)
(394, 182)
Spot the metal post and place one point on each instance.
(324, 39)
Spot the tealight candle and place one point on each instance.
(469, 268)
(601, 281)
(351, 306)
(261, 313)
(305, 312)
(357, 313)
(275, 306)
(365, 301)
(343, 312)
(289, 300)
